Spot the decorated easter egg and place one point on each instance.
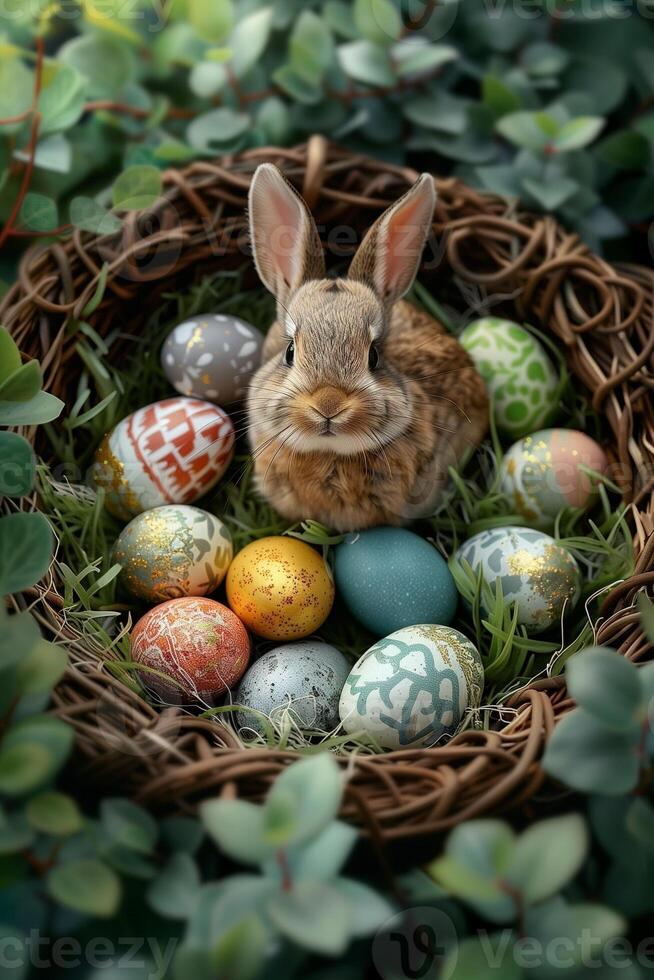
(280, 587)
(518, 373)
(389, 578)
(173, 551)
(535, 572)
(413, 687)
(212, 356)
(546, 471)
(170, 452)
(199, 646)
(304, 679)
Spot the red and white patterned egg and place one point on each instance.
(171, 452)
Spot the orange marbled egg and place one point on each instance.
(194, 649)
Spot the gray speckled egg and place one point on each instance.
(212, 356)
(305, 678)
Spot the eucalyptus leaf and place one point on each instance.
(586, 755)
(207, 78)
(43, 407)
(377, 20)
(26, 545)
(547, 856)
(136, 187)
(17, 465)
(87, 886)
(606, 685)
(38, 212)
(40, 670)
(577, 133)
(216, 128)
(237, 827)
(240, 953)
(23, 385)
(366, 62)
(61, 102)
(106, 63)
(249, 39)
(53, 153)
(128, 825)
(10, 359)
(87, 214)
(174, 892)
(54, 813)
(313, 914)
(211, 19)
(311, 47)
(309, 791)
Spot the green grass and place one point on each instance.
(120, 374)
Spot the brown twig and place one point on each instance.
(31, 148)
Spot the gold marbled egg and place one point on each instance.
(280, 588)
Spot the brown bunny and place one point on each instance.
(363, 401)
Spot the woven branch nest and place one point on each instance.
(531, 269)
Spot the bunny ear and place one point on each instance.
(285, 241)
(388, 258)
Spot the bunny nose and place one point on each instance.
(329, 401)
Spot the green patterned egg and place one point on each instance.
(535, 572)
(519, 375)
(173, 551)
(413, 687)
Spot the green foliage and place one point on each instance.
(552, 110)
(601, 746)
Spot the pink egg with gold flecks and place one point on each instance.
(171, 452)
(550, 470)
(194, 649)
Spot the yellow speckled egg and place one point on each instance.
(547, 471)
(280, 588)
(173, 551)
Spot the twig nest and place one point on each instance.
(281, 588)
(519, 375)
(548, 470)
(212, 356)
(412, 687)
(173, 451)
(389, 578)
(304, 679)
(192, 649)
(535, 572)
(173, 551)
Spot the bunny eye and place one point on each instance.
(374, 357)
(289, 355)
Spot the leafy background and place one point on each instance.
(552, 105)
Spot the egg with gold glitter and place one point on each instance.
(548, 470)
(212, 356)
(190, 650)
(519, 375)
(280, 587)
(173, 551)
(171, 452)
(535, 572)
(413, 687)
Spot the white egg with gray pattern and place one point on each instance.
(213, 357)
(535, 572)
(303, 680)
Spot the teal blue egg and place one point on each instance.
(390, 578)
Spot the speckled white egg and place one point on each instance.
(302, 679)
(413, 687)
(535, 572)
(173, 551)
(173, 451)
(519, 375)
(212, 356)
(547, 471)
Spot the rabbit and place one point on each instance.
(362, 401)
